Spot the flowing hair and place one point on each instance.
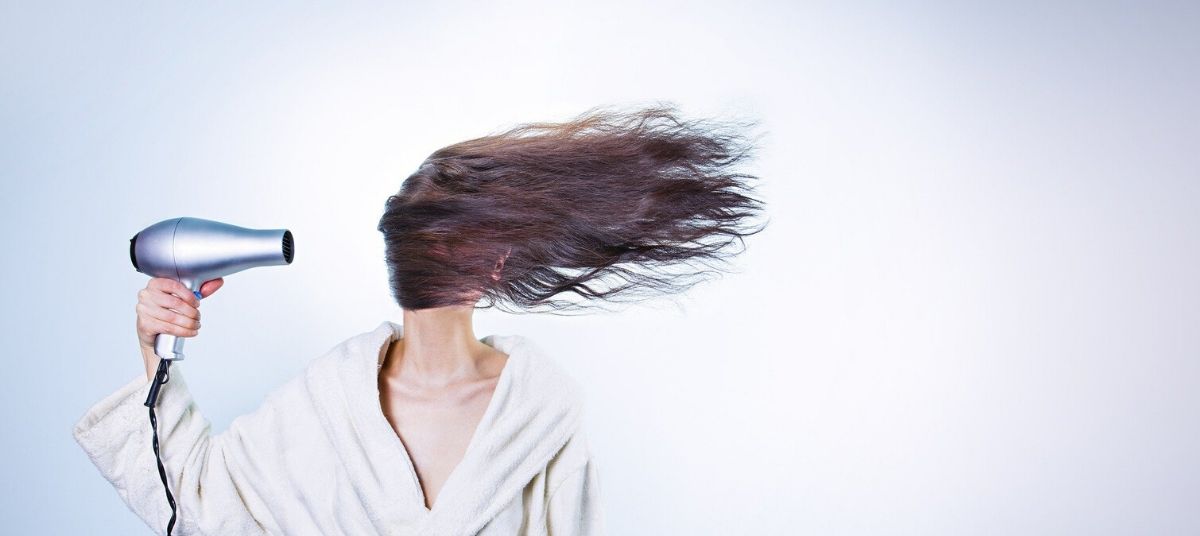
(611, 205)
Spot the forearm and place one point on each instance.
(116, 435)
(151, 361)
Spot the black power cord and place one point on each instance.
(161, 377)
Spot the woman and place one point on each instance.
(420, 428)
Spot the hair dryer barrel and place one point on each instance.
(194, 250)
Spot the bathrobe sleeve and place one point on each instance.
(574, 505)
(212, 477)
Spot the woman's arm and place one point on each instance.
(212, 478)
(205, 473)
(574, 504)
(574, 508)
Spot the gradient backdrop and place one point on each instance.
(974, 312)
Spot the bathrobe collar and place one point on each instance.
(533, 411)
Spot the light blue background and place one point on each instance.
(975, 310)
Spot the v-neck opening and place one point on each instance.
(502, 382)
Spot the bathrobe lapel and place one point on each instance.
(534, 410)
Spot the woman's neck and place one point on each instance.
(437, 348)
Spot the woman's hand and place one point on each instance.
(167, 306)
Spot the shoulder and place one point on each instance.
(326, 383)
(546, 393)
(360, 350)
(540, 369)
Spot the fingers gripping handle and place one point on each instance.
(168, 346)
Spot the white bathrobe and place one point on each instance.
(319, 457)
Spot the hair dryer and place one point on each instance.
(192, 251)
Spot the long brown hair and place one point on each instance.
(609, 205)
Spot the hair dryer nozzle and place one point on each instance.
(288, 247)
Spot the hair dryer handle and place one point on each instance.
(168, 346)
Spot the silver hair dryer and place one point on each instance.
(192, 251)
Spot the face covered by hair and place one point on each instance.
(594, 208)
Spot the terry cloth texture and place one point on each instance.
(319, 457)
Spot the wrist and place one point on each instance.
(150, 359)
